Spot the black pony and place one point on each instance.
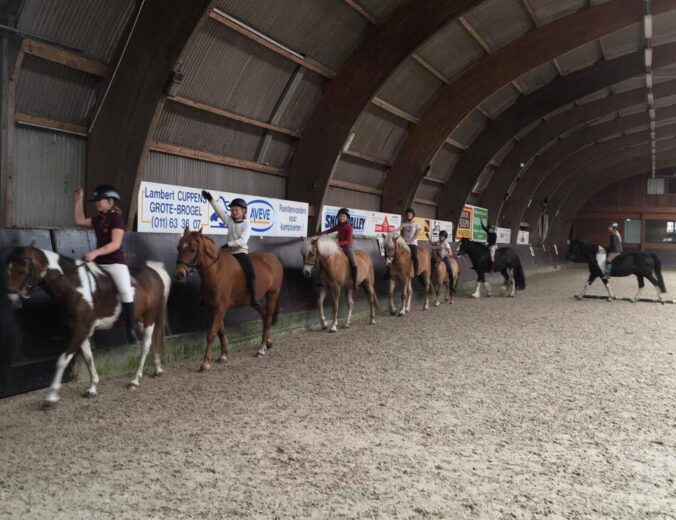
(643, 265)
(506, 262)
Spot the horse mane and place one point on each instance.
(389, 242)
(327, 246)
(210, 243)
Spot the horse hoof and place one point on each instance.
(401, 314)
(577, 297)
(333, 329)
(474, 296)
(131, 385)
(372, 322)
(203, 367)
(324, 326)
(47, 404)
(158, 372)
(347, 325)
(222, 359)
(436, 304)
(261, 353)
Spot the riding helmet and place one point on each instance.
(104, 191)
(344, 211)
(443, 233)
(409, 210)
(615, 225)
(238, 202)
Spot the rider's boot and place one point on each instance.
(251, 287)
(128, 315)
(353, 273)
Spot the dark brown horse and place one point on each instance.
(224, 286)
(87, 300)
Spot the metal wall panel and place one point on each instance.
(227, 70)
(451, 50)
(549, 10)
(379, 133)
(303, 101)
(360, 172)
(427, 191)
(186, 126)
(325, 30)
(500, 100)
(380, 8)
(425, 211)
(93, 27)
(410, 87)
(469, 128)
(580, 58)
(54, 91)
(624, 41)
(181, 171)
(279, 153)
(352, 199)
(444, 161)
(537, 77)
(664, 28)
(48, 166)
(499, 21)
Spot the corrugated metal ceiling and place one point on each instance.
(411, 87)
(499, 21)
(469, 128)
(378, 133)
(444, 161)
(537, 77)
(361, 172)
(500, 101)
(549, 10)
(579, 58)
(380, 8)
(624, 41)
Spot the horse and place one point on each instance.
(507, 262)
(87, 300)
(335, 275)
(440, 276)
(224, 286)
(643, 265)
(398, 258)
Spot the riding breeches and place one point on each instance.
(122, 280)
(349, 252)
(611, 257)
(447, 263)
(492, 250)
(249, 272)
(414, 257)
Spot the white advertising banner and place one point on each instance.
(523, 237)
(365, 223)
(504, 235)
(163, 208)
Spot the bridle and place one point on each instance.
(316, 260)
(28, 285)
(194, 262)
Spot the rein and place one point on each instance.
(193, 264)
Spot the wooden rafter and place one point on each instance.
(353, 186)
(50, 124)
(354, 4)
(368, 158)
(430, 68)
(64, 57)
(475, 34)
(395, 111)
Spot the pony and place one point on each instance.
(334, 269)
(398, 259)
(440, 280)
(224, 286)
(643, 265)
(87, 300)
(507, 262)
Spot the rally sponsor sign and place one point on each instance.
(523, 237)
(469, 224)
(431, 228)
(164, 208)
(480, 216)
(504, 235)
(365, 223)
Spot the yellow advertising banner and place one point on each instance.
(425, 226)
(466, 224)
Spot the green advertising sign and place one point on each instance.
(480, 215)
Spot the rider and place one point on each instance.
(344, 230)
(238, 239)
(492, 238)
(409, 232)
(109, 227)
(446, 252)
(615, 247)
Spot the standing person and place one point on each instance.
(615, 247)
(239, 232)
(491, 238)
(345, 231)
(109, 227)
(409, 232)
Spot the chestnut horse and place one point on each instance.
(87, 300)
(440, 276)
(335, 275)
(224, 286)
(398, 258)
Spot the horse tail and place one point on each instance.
(159, 331)
(519, 275)
(658, 272)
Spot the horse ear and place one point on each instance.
(200, 231)
(186, 231)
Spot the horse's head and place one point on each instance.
(193, 250)
(310, 255)
(462, 248)
(391, 241)
(25, 268)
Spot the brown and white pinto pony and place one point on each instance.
(440, 276)
(398, 258)
(334, 271)
(87, 300)
(224, 286)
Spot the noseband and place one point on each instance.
(194, 262)
(26, 285)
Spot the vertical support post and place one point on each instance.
(10, 75)
(641, 246)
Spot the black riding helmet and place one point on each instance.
(443, 233)
(344, 211)
(238, 202)
(409, 210)
(104, 191)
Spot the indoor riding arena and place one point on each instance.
(325, 259)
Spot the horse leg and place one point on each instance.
(93, 375)
(350, 304)
(641, 285)
(487, 287)
(52, 396)
(587, 284)
(224, 345)
(426, 286)
(320, 306)
(391, 288)
(404, 297)
(145, 348)
(372, 300)
(477, 291)
(606, 282)
(216, 324)
(267, 325)
(656, 284)
(436, 292)
(336, 306)
(409, 295)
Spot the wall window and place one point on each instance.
(656, 186)
(671, 185)
(660, 231)
(632, 231)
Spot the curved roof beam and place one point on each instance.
(116, 143)
(350, 91)
(542, 178)
(530, 108)
(527, 148)
(488, 76)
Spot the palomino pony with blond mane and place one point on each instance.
(334, 268)
(224, 286)
(440, 278)
(398, 258)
